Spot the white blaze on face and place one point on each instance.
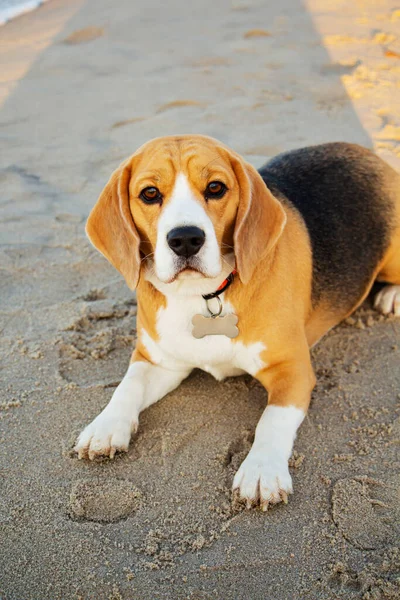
(184, 210)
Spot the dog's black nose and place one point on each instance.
(186, 241)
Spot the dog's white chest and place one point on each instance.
(216, 354)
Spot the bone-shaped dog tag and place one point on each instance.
(215, 326)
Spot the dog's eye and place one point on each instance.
(215, 189)
(151, 195)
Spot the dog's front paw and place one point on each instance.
(263, 478)
(107, 434)
(388, 300)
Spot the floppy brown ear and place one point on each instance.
(260, 220)
(111, 229)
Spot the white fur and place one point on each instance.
(111, 430)
(216, 354)
(192, 283)
(184, 210)
(174, 355)
(176, 352)
(264, 474)
(388, 300)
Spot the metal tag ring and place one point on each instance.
(213, 314)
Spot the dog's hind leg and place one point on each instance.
(388, 299)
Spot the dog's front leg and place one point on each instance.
(143, 384)
(264, 476)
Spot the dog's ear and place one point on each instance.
(260, 219)
(111, 229)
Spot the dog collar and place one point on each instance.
(215, 324)
(224, 286)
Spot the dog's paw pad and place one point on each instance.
(388, 300)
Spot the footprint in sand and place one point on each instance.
(340, 68)
(94, 350)
(69, 218)
(254, 33)
(367, 512)
(127, 122)
(94, 295)
(237, 451)
(82, 36)
(103, 501)
(178, 104)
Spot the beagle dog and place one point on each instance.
(242, 271)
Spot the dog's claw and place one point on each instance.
(259, 481)
(284, 496)
(104, 437)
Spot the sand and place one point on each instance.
(83, 84)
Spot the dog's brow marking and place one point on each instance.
(206, 167)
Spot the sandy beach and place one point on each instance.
(83, 83)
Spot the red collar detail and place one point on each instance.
(224, 285)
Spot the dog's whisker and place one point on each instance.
(147, 256)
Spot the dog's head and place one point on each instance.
(184, 208)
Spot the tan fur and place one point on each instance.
(274, 305)
(111, 228)
(150, 301)
(274, 308)
(248, 210)
(260, 218)
(390, 268)
(271, 296)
